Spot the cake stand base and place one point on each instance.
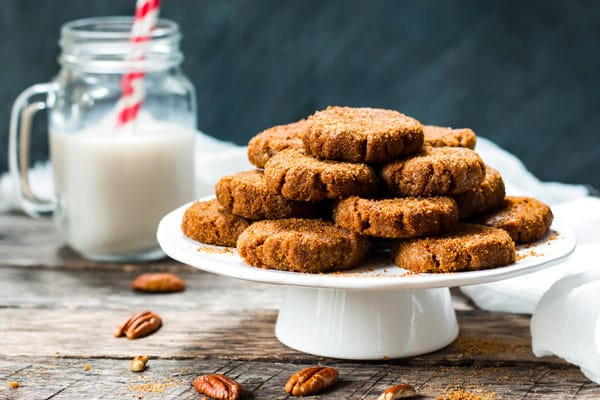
(366, 325)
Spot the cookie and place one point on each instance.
(524, 218)
(469, 247)
(487, 197)
(301, 245)
(273, 140)
(396, 218)
(245, 194)
(208, 222)
(362, 135)
(297, 176)
(439, 136)
(436, 171)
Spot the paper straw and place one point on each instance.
(132, 84)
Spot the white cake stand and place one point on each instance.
(376, 311)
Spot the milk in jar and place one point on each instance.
(112, 187)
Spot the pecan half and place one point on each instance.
(138, 364)
(219, 387)
(311, 380)
(400, 391)
(158, 283)
(139, 325)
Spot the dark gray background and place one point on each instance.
(525, 74)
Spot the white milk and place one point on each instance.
(113, 187)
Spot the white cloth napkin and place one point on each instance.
(566, 322)
(573, 301)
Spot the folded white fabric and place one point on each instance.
(519, 181)
(41, 180)
(214, 159)
(566, 322)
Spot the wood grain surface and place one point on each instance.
(58, 312)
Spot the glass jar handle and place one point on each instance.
(21, 120)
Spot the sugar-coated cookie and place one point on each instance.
(436, 171)
(273, 140)
(302, 245)
(245, 194)
(469, 247)
(439, 136)
(406, 217)
(487, 197)
(208, 222)
(362, 135)
(524, 218)
(300, 177)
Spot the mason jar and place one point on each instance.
(112, 182)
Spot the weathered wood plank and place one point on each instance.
(74, 312)
(111, 289)
(29, 242)
(235, 335)
(66, 378)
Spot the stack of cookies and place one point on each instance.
(325, 187)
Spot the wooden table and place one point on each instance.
(58, 312)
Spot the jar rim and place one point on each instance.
(113, 28)
(103, 44)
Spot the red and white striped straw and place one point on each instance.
(132, 84)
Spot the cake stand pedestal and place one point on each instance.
(366, 325)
